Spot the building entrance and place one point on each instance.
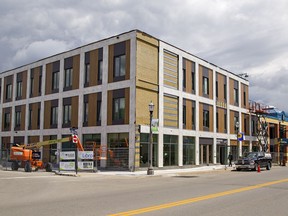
(206, 154)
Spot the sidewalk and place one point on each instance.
(157, 172)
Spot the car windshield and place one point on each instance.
(252, 155)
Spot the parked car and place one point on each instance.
(253, 159)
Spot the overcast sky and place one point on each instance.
(247, 36)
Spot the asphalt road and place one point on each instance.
(212, 193)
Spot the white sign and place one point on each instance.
(85, 165)
(67, 165)
(67, 155)
(18, 153)
(86, 155)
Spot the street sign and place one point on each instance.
(74, 139)
(240, 136)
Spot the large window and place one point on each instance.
(144, 149)
(236, 121)
(19, 89)
(184, 78)
(85, 112)
(205, 86)
(118, 108)
(170, 153)
(206, 118)
(31, 85)
(54, 115)
(87, 73)
(17, 119)
(118, 150)
(68, 77)
(9, 91)
(67, 114)
(30, 118)
(99, 104)
(55, 80)
(188, 150)
(184, 116)
(193, 116)
(7, 120)
(236, 100)
(120, 66)
(100, 70)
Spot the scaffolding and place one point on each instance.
(260, 111)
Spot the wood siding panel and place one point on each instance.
(23, 113)
(211, 84)
(48, 82)
(127, 73)
(143, 98)
(201, 128)
(93, 68)
(74, 111)
(211, 119)
(221, 120)
(92, 109)
(189, 114)
(232, 129)
(200, 80)
(171, 77)
(170, 112)
(47, 114)
(231, 91)
(110, 65)
(147, 64)
(76, 72)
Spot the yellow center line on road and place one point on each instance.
(197, 199)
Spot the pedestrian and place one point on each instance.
(230, 158)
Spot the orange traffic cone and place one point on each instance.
(258, 168)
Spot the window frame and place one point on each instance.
(118, 116)
(67, 110)
(117, 70)
(68, 79)
(205, 86)
(206, 118)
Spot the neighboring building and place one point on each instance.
(273, 124)
(104, 89)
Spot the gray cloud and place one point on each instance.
(240, 36)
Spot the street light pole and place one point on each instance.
(150, 170)
(237, 132)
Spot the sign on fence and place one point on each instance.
(67, 155)
(67, 165)
(85, 165)
(85, 155)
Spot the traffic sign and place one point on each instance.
(75, 140)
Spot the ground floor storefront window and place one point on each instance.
(222, 151)
(188, 150)
(144, 150)
(170, 151)
(118, 150)
(89, 140)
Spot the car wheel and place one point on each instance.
(238, 169)
(268, 167)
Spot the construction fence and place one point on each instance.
(91, 159)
